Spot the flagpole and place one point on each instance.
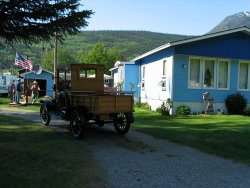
(55, 64)
(26, 88)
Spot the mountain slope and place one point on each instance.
(233, 21)
(130, 43)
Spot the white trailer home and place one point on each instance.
(6, 79)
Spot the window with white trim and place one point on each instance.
(209, 72)
(194, 73)
(223, 74)
(243, 76)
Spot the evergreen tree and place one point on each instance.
(32, 21)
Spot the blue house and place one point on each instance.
(45, 81)
(217, 63)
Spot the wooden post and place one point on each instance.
(55, 65)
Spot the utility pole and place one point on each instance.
(55, 65)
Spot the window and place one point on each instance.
(163, 85)
(87, 73)
(244, 76)
(164, 68)
(142, 85)
(208, 73)
(121, 76)
(143, 72)
(208, 81)
(223, 74)
(194, 73)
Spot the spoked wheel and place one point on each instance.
(121, 123)
(77, 123)
(44, 114)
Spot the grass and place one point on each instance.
(4, 103)
(4, 100)
(32, 155)
(227, 136)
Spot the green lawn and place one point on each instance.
(223, 135)
(32, 155)
(36, 156)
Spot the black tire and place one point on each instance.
(77, 124)
(44, 114)
(100, 123)
(121, 123)
(63, 105)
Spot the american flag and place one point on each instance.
(21, 61)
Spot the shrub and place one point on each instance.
(183, 110)
(235, 103)
(145, 106)
(158, 110)
(138, 104)
(165, 107)
(247, 111)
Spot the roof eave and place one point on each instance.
(193, 39)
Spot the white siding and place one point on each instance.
(153, 93)
(116, 76)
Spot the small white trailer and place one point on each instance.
(6, 79)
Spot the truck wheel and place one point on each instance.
(63, 105)
(121, 123)
(100, 123)
(44, 115)
(77, 123)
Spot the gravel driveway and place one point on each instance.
(139, 160)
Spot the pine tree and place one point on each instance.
(32, 21)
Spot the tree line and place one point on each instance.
(99, 54)
(113, 45)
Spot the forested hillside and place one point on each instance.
(129, 43)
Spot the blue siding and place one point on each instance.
(156, 56)
(131, 75)
(180, 79)
(43, 76)
(181, 92)
(234, 66)
(235, 46)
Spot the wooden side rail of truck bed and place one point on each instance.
(103, 104)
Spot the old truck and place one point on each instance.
(82, 99)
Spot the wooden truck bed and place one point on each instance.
(103, 104)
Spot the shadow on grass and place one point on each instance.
(34, 156)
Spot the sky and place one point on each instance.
(187, 17)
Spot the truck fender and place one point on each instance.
(51, 105)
